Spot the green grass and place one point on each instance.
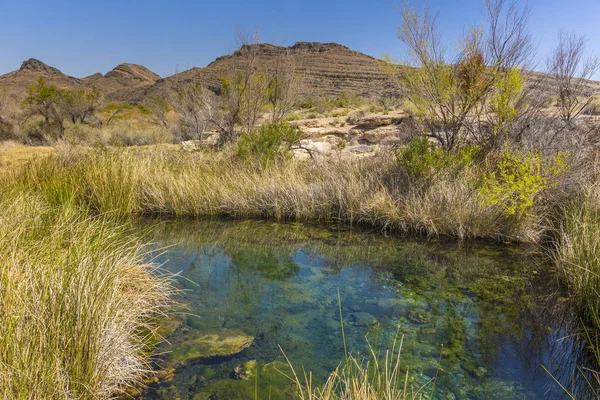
(577, 250)
(78, 305)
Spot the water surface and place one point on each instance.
(489, 311)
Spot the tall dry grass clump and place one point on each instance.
(77, 304)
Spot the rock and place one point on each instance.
(209, 140)
(222, 343)
(362, 319)
(244, 371)
(361, 149)
(190, 145)
(378, 135)
(374, 121)
(418, 316)
(37, 66)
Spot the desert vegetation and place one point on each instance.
(495, 152)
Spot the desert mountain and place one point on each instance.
(327, 69)
(123, 76)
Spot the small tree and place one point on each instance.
(42, 99)
(79, 105)
(467, 96)
(570, 69)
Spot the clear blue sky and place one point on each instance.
(87, 36)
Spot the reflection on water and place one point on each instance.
(485, 308)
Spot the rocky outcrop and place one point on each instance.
(34, 65)
(132, 74)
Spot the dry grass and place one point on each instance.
(77, 303)
(370, 379)
(14, 155)
(372, 192)
(577, 250)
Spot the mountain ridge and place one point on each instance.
(327, 69)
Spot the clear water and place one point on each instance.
(490, 311)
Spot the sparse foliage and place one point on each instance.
(475, 95)
(283, 87)
(160, 109)
(196, 112)
(570, 69)
(79, 105)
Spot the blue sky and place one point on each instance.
(87, 36)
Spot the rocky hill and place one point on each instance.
(326, 69)
(123, 77)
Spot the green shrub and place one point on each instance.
(422, 159)
(268, 143)
(518, 179)
(293, 117)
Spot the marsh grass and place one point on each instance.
(577, 249)
(361, 378)
(374, 379)
(576, 254)
(375, 192)
(77, 306)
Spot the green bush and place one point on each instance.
(422, 159)
(268, 143)
(519, 177)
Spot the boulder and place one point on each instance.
(221, 343)
(362, 318)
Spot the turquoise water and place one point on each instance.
(489, 311)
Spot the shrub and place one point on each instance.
(268, 143)
(519, 178)
(421, 158)
(356, 116)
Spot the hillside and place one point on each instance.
(122, 78)
(326, 70)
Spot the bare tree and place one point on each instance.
(3, 104)
(160, 109)
(198, 110)
(284, 83)
(570, 69)
(509, 43)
